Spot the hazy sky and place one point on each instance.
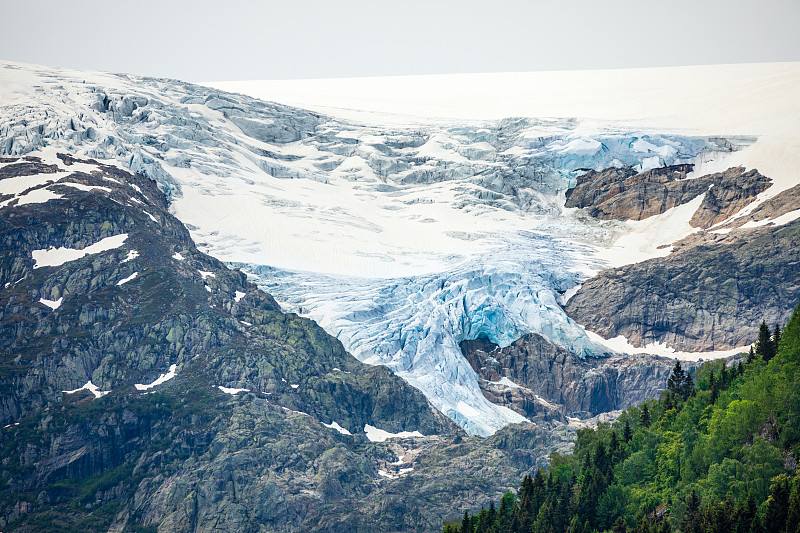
(205, 40)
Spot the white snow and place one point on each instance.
(82, 187)
(52, 304)
(129, 278)
(132, 254)
(246, 323)
(378, 435)
(239, 295)
(620, 344)
(154, 219)
(651, 237)
(403, 234)
(163, 378)
(205, 274)
(581, 147)
(177, 256)
(231, 391)
(36, 196)
(208, 289)
(777, 221)
(19, 184)
(294, 385)
(91, 387)
(337, 427)
(467, 410)
(59, 256)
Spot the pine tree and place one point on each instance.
(751, 356)
(777, 504)
(776, 339)
(627, 434)
(466, 525)
(676, 379)
(687, 387)
(492, 515)
(645, 416)
(691, 517)
(793, 514)
(764, 346)
(614, 443)
(745, 515)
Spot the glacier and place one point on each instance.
(399, 239)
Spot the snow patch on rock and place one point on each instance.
(163, 378)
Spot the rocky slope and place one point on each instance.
(711, 293)
(144, 386)
(625, 194)
(544, 382)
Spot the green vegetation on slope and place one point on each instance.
(717, 452)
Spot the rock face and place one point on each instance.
(624, 194)
(195, 403)
(709, 294)
(544, 382)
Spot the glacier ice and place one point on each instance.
(401, 240)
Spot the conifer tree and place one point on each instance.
(745, 515)
(764, 346)
(776, 339)
(614, 442)
(687, 387)
(466, 525)
(691, 517)
(793, 514)
(751, 356)
(645, 416)
(676, 379)
(627, 434)
(777, 504)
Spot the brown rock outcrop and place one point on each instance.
(624, 194)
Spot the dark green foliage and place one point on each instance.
(713, 461)
(765, 347)
(645, 417)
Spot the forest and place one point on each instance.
(716, 452)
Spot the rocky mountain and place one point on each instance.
(219, 313)
(624, 194)
(544, 382)
(710, 294)
(146, 385)
(400, 239)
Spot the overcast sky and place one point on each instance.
(203, 40)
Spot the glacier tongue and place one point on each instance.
(399, 240)
(414, 325)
